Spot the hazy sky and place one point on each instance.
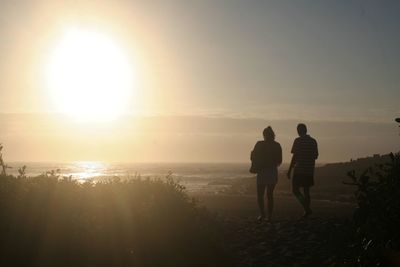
(34, 137)
(326, 61)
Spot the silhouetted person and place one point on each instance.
(266, 157)
(305, 152)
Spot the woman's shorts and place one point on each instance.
(267, 176)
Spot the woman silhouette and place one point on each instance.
(265, 158)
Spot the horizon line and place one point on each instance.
(217, 116)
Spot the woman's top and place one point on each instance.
(266, 154)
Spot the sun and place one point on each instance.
(89, 77)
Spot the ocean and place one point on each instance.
(195, 177)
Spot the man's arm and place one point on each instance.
(292, 163)
(316, 150)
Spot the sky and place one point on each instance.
(258, 63)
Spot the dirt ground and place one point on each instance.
(321, 240)
(285, 207)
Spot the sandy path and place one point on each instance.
(286, 207)
(320, 240)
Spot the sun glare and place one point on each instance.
(89, 76)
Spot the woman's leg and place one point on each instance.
(270, 196)
(260, 197)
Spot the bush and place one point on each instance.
(377, 218)
(53, 221)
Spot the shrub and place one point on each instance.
(377, 218)
(53, 221)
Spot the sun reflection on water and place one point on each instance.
(89, 169)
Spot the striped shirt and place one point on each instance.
(305, 152)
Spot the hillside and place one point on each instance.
(329, 180)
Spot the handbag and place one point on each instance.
(253, 168)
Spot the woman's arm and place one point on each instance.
(279, 154)
(253, 152)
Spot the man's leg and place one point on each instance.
(298, 195)
(270, 196)
(307, 200)
(260, 198)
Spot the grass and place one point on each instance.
(53, 221)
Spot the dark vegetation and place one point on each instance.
(54, 221)
(377, 218)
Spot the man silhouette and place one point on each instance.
(305, 152)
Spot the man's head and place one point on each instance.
(301, 129)
(268, 133)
